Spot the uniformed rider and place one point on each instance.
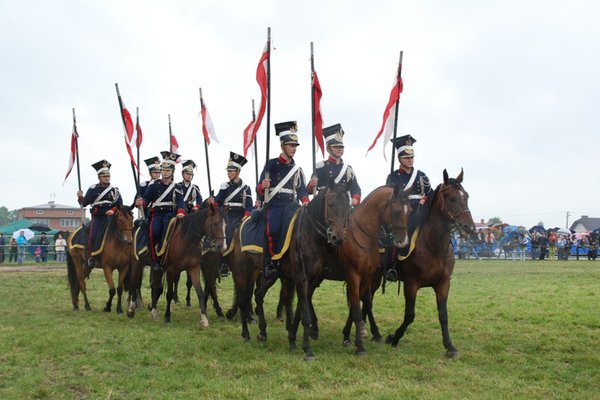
(334, 166)
(235, 197)
(191, 191)
(104, 200)
(153, 164)
(413, 181)
(281, 183)
(164, 201)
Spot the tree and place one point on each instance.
(494, 221)
(6, 217)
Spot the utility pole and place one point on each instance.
(568, 214)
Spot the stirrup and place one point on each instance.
(270, 271)
(156, 266)
(91, 262)
(224, 271)
(391, 275)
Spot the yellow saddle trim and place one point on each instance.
(135, 249)
(413, 242)
(288, 237)
(80, 246)
(165, 243)
(250, 247)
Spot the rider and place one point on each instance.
(105, 200)
(235, 197)
(414, 182)
(153, 164)
(281, 184)
(334, 167)
(191, 191)
(164, 201)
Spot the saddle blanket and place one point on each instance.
(79, 239)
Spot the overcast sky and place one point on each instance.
(506, 90)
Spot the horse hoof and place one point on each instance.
(261, 338)
(292, 346)
(246, 337)
(130, 313)
(106, 309)
(361, 353)
(167, 320)
(149, 307)
(347, 343)
(75, 308)
(154, 314)
(203, 320)
(452, 354)
(230, 315)
(309, 357)
(88, 307)
(314, 335)
(391, 341)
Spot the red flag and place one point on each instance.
(388, 114)
(208, 129)
(174, 144)
(138, 132)
(318, 115)
(74, 137)
(128, 125)
(261, 78)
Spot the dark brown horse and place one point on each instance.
(183, 253)
(385, 209)
(116, 254)
(432, 261)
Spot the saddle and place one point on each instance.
(79, 239)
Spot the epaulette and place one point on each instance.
(223, 185)
(93, 186)
(320, 164)
(142, 184)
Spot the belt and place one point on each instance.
(415, 196)
(234, 204)
(101, 202)
(163, 204)
(287, 191)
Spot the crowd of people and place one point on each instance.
(41, 249)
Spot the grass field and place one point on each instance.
(525, 330)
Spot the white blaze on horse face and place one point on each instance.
(224, 236)
(405, 209)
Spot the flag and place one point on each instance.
(138, 133)
(261, 78)
(388, 115)
(128, 125)
(174, 144)
(73, 154)
(208, 129)
(317, 113)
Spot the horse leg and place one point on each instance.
(157, 289)
(441, 294)
(244, 287)
(368, 312)
(188, 285)
(410, 297)
(108, 275)
(176, 287)
(346, 330)
(194, 274)
(303, 309)
(122, 276)
(353, 294)
(280, 304)
(314, 326)
(210, 290)
(74, 276)
(171, 277)
(259, 297)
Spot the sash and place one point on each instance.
(162, 196)
(189, 191)
(341, 174)
(101, 195)
(236, 191)
(411, 181)
(283, 182)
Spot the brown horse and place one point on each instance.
(385, 210)
(432, 261)
(184, 252)
(116, 254)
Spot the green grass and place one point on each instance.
(525, 330)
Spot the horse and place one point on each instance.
(356, 259)
(116, 254)
(431, 262)
(326, 216)
(183, 253)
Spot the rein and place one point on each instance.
(377, 237)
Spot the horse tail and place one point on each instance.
(72, 276)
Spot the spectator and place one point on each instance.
(552, 239)
(543, 241)
(21, 247)
(37, 252)
(13, 250)
(43, 242)
(2, 247)
(59, 246)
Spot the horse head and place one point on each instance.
(124, 218)
(336, 212)
(399, 211)
(214, 227)
(455, 204)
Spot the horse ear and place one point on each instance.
(445, 177)
(459, 178)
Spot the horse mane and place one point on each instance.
(192, 226)
(113, 228)
(317, 205)
(424, 212)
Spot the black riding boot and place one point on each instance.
(224, 270)
(271, 268)
(156, 267)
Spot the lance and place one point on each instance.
(312, 102)
(77, 160)
(268, 108)
(137, 183)
(206, 148)
(398, 78)
(137, 123)
(255, 146)
(170, 135)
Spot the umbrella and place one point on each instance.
(563, 231)
(40, 228)
(28, 233)
(538, 229)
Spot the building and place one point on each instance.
(585, 224)
(56, 216)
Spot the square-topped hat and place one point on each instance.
(404, 144)
(236, 161)
(189, 166)
(153, 164)
(169, 160)
(102, 168)
(334, 135)
(287, 132)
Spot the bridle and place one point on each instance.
(325, 230)
(453, 217)
(121, 230)
(211, 237)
